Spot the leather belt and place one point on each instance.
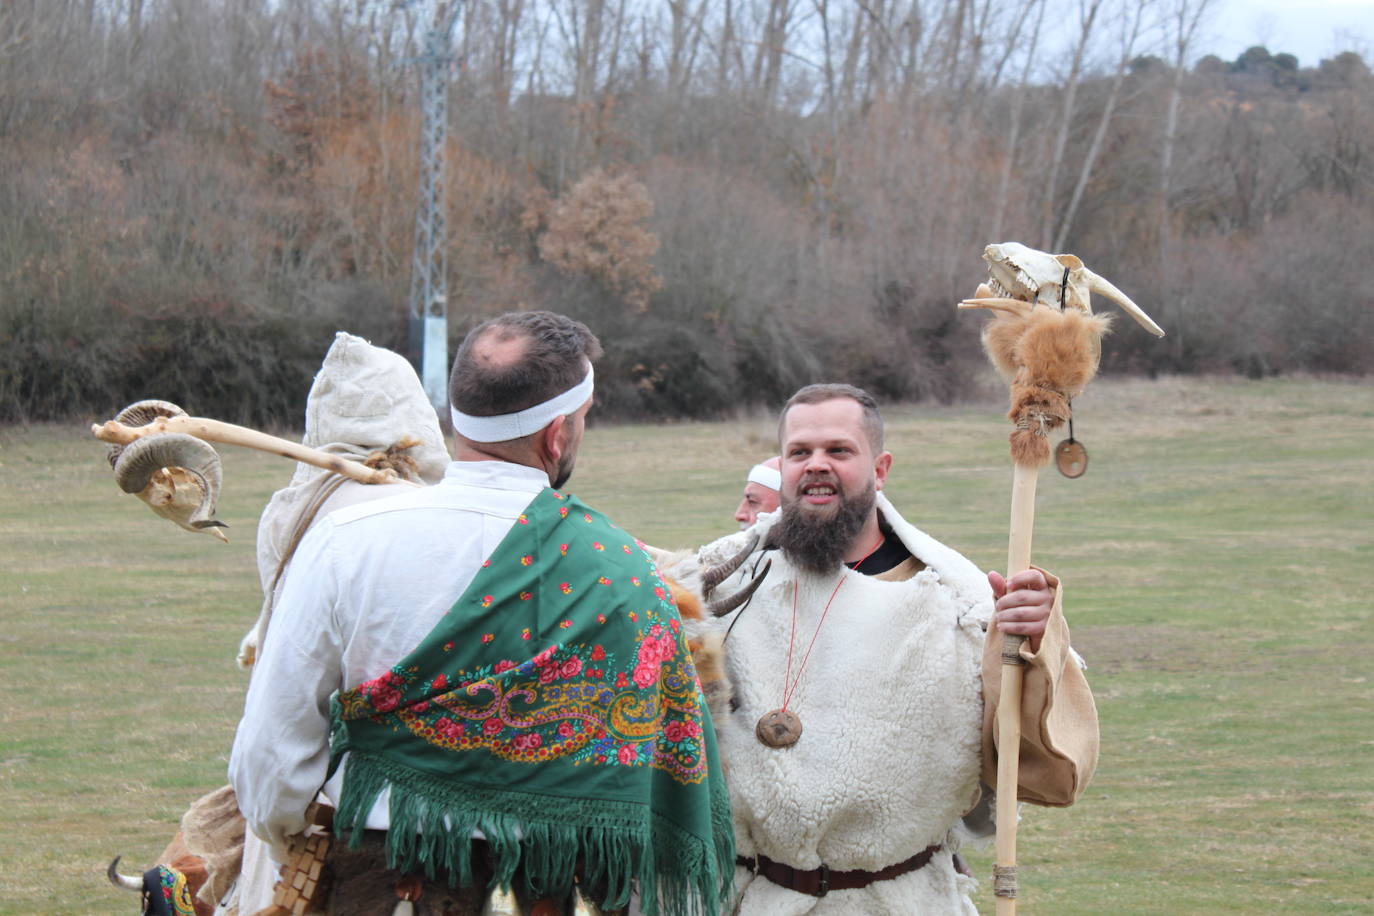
(820, 881)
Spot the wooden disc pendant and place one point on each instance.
(779, 728)
(1071, 458)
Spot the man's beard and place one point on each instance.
(565, 469)
(818, 543)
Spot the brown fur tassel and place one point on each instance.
(394, 458)
(708, 651)
(1050, 355)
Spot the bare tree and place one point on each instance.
(1018, 100)
(1087, 16)
(684, 42)
(766, 74)
(1132, 25)
(1183, 19)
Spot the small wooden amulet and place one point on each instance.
(779, 728)
(1071, 458)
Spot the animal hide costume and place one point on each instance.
(894, 739)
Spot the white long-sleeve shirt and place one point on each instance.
(366, 585)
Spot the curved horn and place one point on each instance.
(1013, 306)
(1100, 285)
(177, 475)
(141, 413)
(144, 457)
(717, 574)
(724, 606)
(124, 881)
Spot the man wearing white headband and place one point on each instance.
(760, 491)
(452, 665)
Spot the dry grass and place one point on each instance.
(1215, 553)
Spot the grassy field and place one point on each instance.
(1214, 557)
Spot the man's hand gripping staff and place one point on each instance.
(1046, 343)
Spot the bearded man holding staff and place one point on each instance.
(864, 678)
(487, 677)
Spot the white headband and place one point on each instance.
(507, 426)
(765, 476)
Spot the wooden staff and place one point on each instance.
(1047, 343)
(1009, 704)
(230, 434)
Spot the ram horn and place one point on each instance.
(177, 475)
(714, 575)
(722, 606)
(124, 881)
(1101, 285)
(141, 413)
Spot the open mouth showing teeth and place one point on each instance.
(819, 490)
(1000, 290)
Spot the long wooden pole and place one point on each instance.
(1009, 703)
(230, 434)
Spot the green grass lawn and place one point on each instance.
(1215, 559)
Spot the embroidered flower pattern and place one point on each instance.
(383, 693)
(559, 703)
(637, 704)
(176, 891)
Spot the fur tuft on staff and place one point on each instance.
(1048, 356)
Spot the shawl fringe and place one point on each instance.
(619, 847)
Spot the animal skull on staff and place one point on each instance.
(163, 456)
(1047, 343)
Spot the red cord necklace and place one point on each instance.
(782, 727)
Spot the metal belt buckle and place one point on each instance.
(825, 880)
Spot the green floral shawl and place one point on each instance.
(556, 709)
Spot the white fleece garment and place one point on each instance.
(891, 706)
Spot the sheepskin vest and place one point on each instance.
(890, 702)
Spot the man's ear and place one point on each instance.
(880, 469)
(550, 440)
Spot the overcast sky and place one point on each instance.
(1310, 30)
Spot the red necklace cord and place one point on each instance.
(787, 690)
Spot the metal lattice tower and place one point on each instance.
(429, 261)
